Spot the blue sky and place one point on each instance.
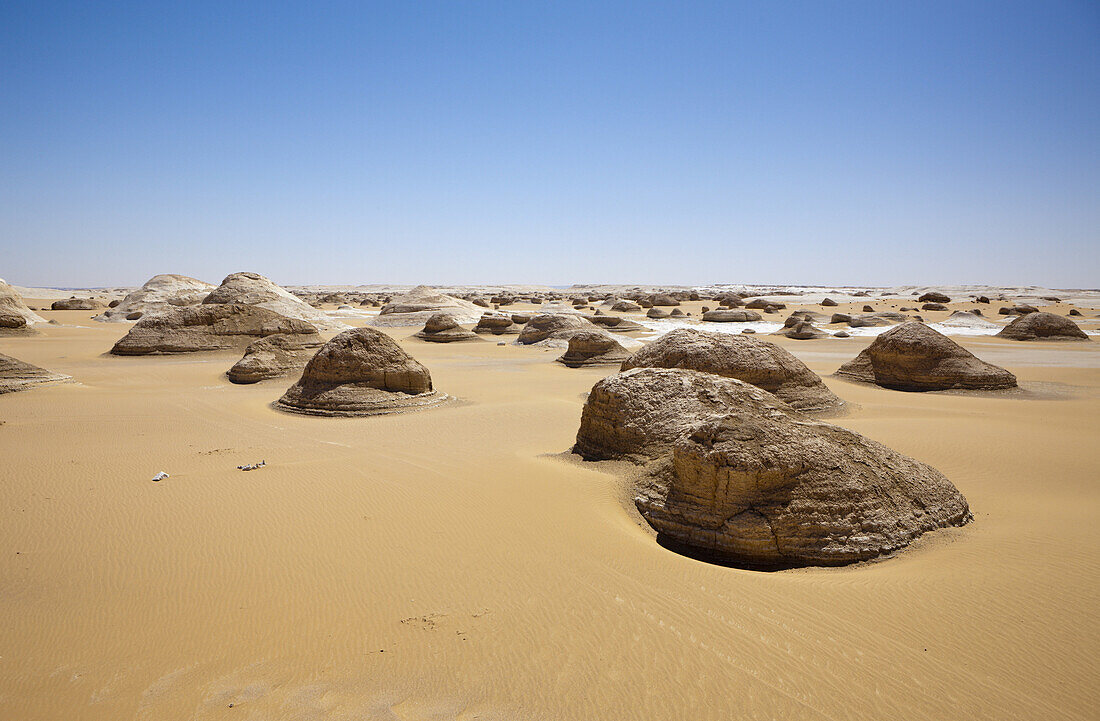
(557, 142)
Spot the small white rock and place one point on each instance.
(160, 476)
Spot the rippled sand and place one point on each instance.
(452, 564)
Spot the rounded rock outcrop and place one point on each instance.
(553, 328)
(197, 328)
(443, 328)
(158, 293)
(758, 362)
(361, 372)
(593, 347)
(497, 324)
(1042, 326)
(15, 316)
(75, 304)
(255, 290)
(914, 357)
(731, 316)
(273, 357)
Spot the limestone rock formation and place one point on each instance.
(828, 302)
(625, 306)
(593, 347)
(274, 356)
(933, 297)
(159, 292)
(914, 357)
(553, 328)
(256, 290)
(193, 328)
(1041, 325)
(443, 328)
(361, 372)
(740, 477)
(762, 304)
(15, 316)
(615, 323)
(656, 312)
(420, 303)
(663, 299)
(967, 319)
(731, 316)
(800, 329)
(933, 306)
(758, 362)
(75, 304)
(15, 375)
(497, 324)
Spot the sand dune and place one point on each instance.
(453, 563)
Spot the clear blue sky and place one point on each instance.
(557, 142)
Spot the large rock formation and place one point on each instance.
(256, 290)
(15, 316)
(15, 375)
(204, 327)
(914, 357)
(159, 292)
(553, 328)
(763, 364)
(497, 324)
(800, 329)
(740, 477)
(361, 372)
(75, 303)
(593, 347)
(443, 328)
(420, 303)
(274, 356)
(1041, 325)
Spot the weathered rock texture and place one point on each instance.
(361, 372)
(914, 357)
(15, 375)
(256, 290)
(273, 357)
(553, 328)
(1042, 326)
(420, 303)
(196, 328)
(763, 364)
(443, 328)
(159, 292)
(15, 316)
(497, 324)
(593, 347)
(75, 304)
(800, 329)
(731, 316)
(740, 477)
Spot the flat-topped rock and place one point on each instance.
(197, 328)
(497, 324)
(593, 347)
(167, 290)
(15, 375)
(273, 357)
(758, 362)
(443, 328)
(1042, 326)
(75, 304)
(731, 316)
(361, 372)
(914, 357)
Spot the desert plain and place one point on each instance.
(458, 562)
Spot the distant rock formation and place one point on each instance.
(914, 357)
(625, 306)
(1042, 326)
(656, 312)
(800, 329)
(159, 292)
(731, 316)
(361, 372)
(274, 356)
(256, 290)
(553, 328)
(15, 375)
(615, 323)
(197, 328)
(593, 347)
(933, 297)
(75, 303)
(967, 319)
(735, 475)
(763, 364)
(420, 303)
(443, 328)
(497, 324)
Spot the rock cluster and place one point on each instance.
(416, 306)
(914, 357)
(361, 372)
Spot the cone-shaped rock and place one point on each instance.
(1044, 326)
(754, 361)
(443, 328)
(256, 290)
(914, 357)
(159, 292)
(361, 372)
(15, 375)
(274, 356)
(194, 328)
(592, 347)
(742, 478)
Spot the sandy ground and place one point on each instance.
(452, 564)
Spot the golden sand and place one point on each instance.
(451, 563)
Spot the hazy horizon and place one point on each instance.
(670, 143)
